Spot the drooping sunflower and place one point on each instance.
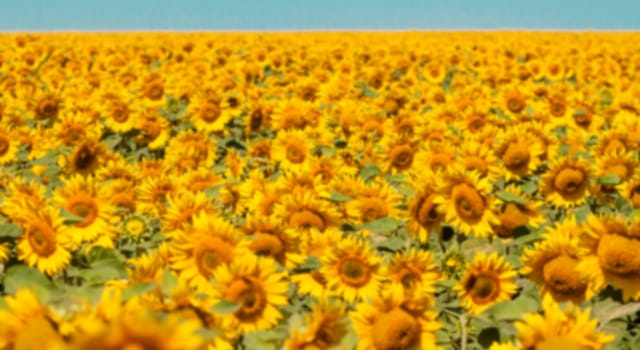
(81, 196)
(257, 285)
(304, 210)
(519, 155)
(631, 190)
(610, 257)
(567, 182)
(552, 265)
(153, 194)
(560, 329)
(513, 215)
(392, 321)
(622, 165)
(467, 203)
(352, 270)
(425, 216)
(326, 325)
(271, 238)
(488, 280)
(201, 248)
(374, 200)
(44, 243)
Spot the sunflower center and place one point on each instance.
(516, 157)
(617, 255)
(635, 196)
(440, 161)
(427, 213)
(570, 182)
(560, 342)
(209, 112)
(295, 153)
(120, 113)
(4, 145)
(408, 278)
(372, 209)
(85, 208)
(512, 217)
(42, 239)
(394, 330)
(319, 277)
(135, 226)
(154, 90)
(515, 104)
(401, 157)
(48, 107)
(469, 203)
(212, 252)
(615, 145)
(557, 108)
(307, 219)
(251, 297)
(354, 272)
(476, 163)
(84, 159)
(619, 169)
(482, 288)
(561, 278)
(267, 245)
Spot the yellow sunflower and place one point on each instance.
(269, 237)
(467, 203)
(488, 280)
(631, 190)
(391, 321)
(558, 329)
(552, 265)
(425, 216)
(474, 156)
(519, 153)
(81, 197)
(610, 257)
(513, 215)
(352, 270)
(415, 269)
(291, 148)
(44, 244)
(567, 182)
(257, 285)
(199, 249)
(304, 210)
(208, 114)
(182, 207)
(326, 325)
(374, 200)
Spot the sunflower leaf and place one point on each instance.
(20, 276)
(10, 230)
(137, 289)
(513, 310)
(609, 311)
(225, 307)
(169, 282)
(511, 197)
(370, 170)
(339, 197)
(610, 179)
(382, 225)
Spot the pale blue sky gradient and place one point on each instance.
(290, 15)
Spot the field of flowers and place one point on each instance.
(320, 191)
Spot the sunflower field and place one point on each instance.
(378, 191)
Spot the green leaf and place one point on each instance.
(70, 218)
(10, 230)
(311, 263)
(137, 289)
(386, 224)
(511, 197)
(610, 179)
(513, 310)
(370, 170)
(488, 336)
(392, 243)
(339, 197)
(169, 281)
(225, 307)
(20, 276)
(607, 311)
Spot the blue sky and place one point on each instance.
(120, 15)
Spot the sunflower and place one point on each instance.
(154, 131)
(622, 165)
(119, 115)
(25, 317)
(398, 154)
(86, 157)
(208, 114)
(514, 101)
(374, 200)
(270, 238)
(436, 156)
(558, 329)
(22, 196)
(520, 156)
(488, 280)
(613, 140)
(81, 197)
(291, 149)
(352, 269)
(567, 182)
(291, 113)
(189, 150)
(474, 156)
(74, 128)
(552, 265)
(153, 194)
(8, 145)
(44, 243)
(610, 257)
(257, 286)
(182, 207)
(326, 325)
(413, 270)
(631, 190)
(199, 179)
(513, 215)
(304, 210)
(199, 249)
(467, 203)
(424, 214)
(391, 322)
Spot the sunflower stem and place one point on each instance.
(463, 337)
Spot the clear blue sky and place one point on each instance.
(98, 15)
